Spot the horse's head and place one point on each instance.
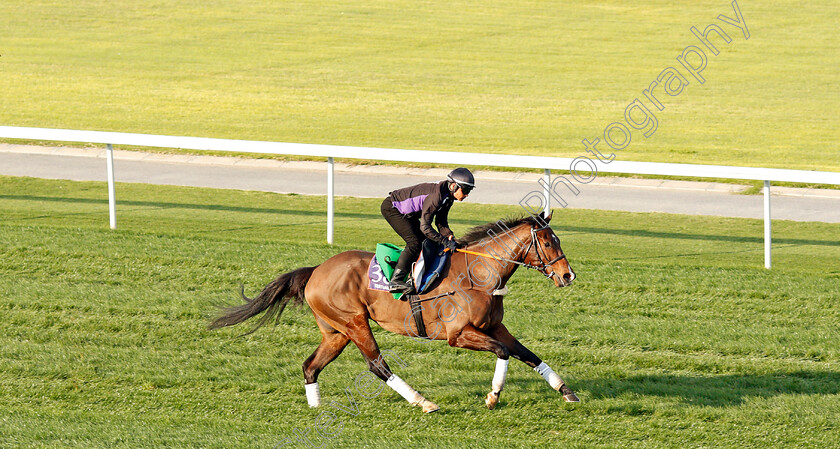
(546, 255)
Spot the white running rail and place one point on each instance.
(439, 157)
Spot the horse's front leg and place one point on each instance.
(471, 338)
(518, 351)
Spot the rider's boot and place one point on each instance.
(398, 283)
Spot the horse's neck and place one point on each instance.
(512, 245)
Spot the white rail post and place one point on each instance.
(546, 193)
(767, 262)
(112, 199)
(330, 198)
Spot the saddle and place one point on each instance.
(424, 273)
(429, 265)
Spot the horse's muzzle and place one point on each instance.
(565, 280)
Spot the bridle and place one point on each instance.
(542, 266)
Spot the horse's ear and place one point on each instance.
(547, 216)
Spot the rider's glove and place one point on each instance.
(452, 245)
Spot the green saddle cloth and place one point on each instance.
(387, 255)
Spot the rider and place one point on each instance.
(410, 211)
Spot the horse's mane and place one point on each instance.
(484, 231)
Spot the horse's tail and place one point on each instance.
(271, 300)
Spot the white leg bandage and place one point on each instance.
(549, 375)
(313, 394)
(501, 291)
(404, 390)
(500, 375)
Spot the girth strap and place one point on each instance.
(417, 311)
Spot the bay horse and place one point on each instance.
(467, 311)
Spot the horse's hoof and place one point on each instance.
(428, 406)
(568, 394)
(491, 400)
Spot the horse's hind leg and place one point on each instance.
(332, 343)
(518, 351)
(359, 332)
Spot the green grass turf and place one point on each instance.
(674, 335)
(503, 77)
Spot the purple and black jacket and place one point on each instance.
(425, 201)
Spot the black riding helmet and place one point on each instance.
(463, 177)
